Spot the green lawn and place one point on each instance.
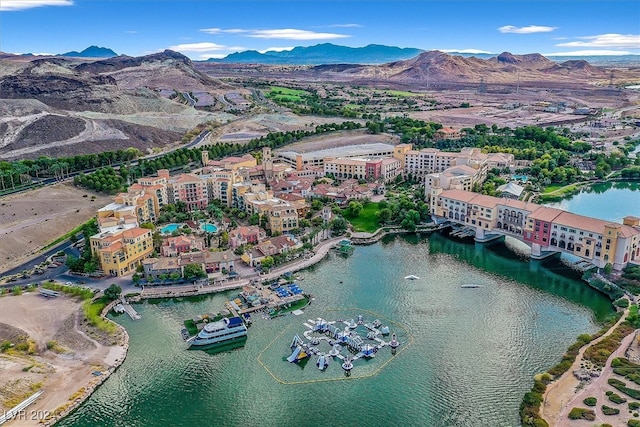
(367, 221)
(400, 93)
(285, 94)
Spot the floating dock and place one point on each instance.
(339, 334)
(129, 310)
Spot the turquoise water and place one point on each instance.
(209, 228)
(610, 201)
(170, 228)
(473, 355)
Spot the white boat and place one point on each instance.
(471, 286)
(226, 329)
(411, 277)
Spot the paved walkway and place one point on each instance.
(561, 394)
(320, 252)
(596, 388)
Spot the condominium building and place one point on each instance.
(121, 251)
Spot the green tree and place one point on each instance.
(354, 208)
(339, 225)
(411, 219)
(267, 262)
(192, 271)
(384, 215)
(113, 292)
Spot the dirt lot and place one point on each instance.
(59, 373)
(340, 139)
(29, 221)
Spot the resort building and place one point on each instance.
(210, 262)
(116, 216)
(301, 160)
(283, 218)
(419, 163)
(189, 189)
(383, 169)
(274, 246)
(174, 246)
(455, 177)
(546, 230)
(121, 251)
(246, 235)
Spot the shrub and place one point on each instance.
(622, 386)
(590, 401)
(607, 410)
(634, 405)
(615, 398)
(627, 369)
(633, 423)
(621, 302)
(582, 414)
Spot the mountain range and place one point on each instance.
(92, 52)
(62, 105)
(325, 53)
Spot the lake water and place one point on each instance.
(610, 201)
(472, 357)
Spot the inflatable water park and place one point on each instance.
(348, 341)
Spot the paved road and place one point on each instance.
(65, 246)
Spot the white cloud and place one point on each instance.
(606, 40)
(283, 34)
(345, 26)
(198, 47)
(471, 51)
(294, 34)
(9, 5)
(593, 52)
(131, 32)
(221, 31)
(530, 29)
(276, 49)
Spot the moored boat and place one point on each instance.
(226, 329)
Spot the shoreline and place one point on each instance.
(87, 390)
(563, 392)
(321, 252)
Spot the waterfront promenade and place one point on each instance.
(319, 253)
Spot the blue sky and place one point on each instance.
(202, 29)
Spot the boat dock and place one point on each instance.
(129, 310)
(462, 232)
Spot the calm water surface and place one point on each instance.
(611, 201)
(474, 353)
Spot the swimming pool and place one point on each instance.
(170, 228)
(522, 178)
(209, 228)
